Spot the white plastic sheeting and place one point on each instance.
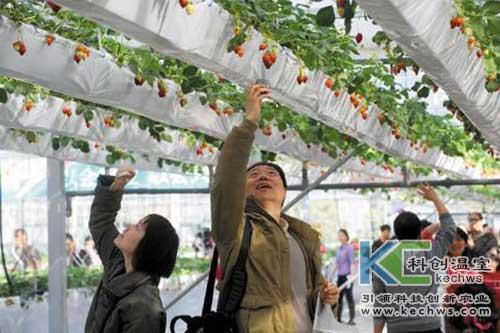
(202, 39)
(43, 147)
(46, 115)
(422, 29)
(100, 80)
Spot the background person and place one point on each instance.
(407, 226)
(385, 235)
(74, 257)
(26, 256)
(345, 266)
(127, 298)
(89, 247)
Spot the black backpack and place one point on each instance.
(223, 320)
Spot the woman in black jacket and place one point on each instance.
(128, 298)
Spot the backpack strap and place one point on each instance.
(209, 292)
(238, 280)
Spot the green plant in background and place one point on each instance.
(29, 285)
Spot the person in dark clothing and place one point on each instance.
(127, 298)
(385, 235)
(76, 258)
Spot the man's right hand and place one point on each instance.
(255, 95)
(123, 176)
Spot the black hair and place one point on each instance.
(478, 214)
(19, 230)
(275, 167)
(345, 233)
(385, 227)
(156, 253)
(463, 324)
(69, 237)
(462, 234)
(407, 225)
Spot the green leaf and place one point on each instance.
(84, 147)
(326, 16)
(56, 143)
(65, 141)
(143, 124)
(492, 86)
(493, 26)
(492, 7)
(190, 71)
(3, 95)
(186, 87)
(423, 92)
(110, 160)
(203, 100)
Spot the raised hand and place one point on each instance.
(428, 193)
(256, 93)
(123, 176)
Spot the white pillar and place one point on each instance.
(58, 321)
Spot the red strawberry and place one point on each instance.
(479, 54)
(139, 80)
(267, 131)
(416, 69)
(66, 111)
(108, 121)
(199, 151)
(337, 93)
(355, 101)
(459, 21)
(28, 105)
(20, 47)
(359, 37)
(262, 46)
(381, 118)
(266, 59)
(213, 106)
(453, 22)
(50, 39)
(239, 51)
(183, 3)
(341, 3)
(88, 124)
(363, 162)
(228, 111)
(55, 7)
(96, 145)
(364, 112)
(329, 83)
(283, 136)
(274, 57)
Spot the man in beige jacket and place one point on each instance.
(284, 262)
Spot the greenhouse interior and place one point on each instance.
(250, 166)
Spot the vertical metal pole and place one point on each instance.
(58, 320)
